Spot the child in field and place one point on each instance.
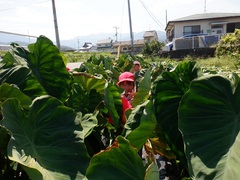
(136, 67)
(126, 82)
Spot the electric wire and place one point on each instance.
(40, 2)
(152, 15)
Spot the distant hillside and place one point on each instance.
(10, 38)
(78, 41)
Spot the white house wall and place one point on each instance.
(204, 24)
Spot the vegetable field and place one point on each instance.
(54, 123)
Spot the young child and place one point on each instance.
(126, 82)
(136, 67)
(138, 73)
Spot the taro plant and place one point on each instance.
(54, 124)
(209, 121)
(52, 117)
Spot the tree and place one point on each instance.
(153, 48)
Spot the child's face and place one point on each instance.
(127, 86)
(137, 67)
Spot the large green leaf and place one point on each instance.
(10, 91)
(120, 161)
(48, 67)
(48, 71)
(13, 70)
(88, 82)
(152, 172)
(47, 140)
(5, 136)
(210, 122)
(113, 102)
(143, 90)
(140, 124)
(88, 122)
(167, 92)
(87, 93)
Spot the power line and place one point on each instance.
(152, 15)
(7, 9)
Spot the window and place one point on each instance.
(217, 26)
(191, 30)
(232, 26)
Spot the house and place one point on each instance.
(208, 26)
(105, 45)
(88, 46)
(150, 36)
(206, 23)
(126, 46)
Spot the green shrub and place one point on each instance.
(229, 45)
(152, 49)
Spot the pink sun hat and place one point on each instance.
(126, 76)
(136, 63)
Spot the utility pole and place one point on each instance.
(205, 6)
(56, 25)
(130, 24)
(116, 34)
(166, 18)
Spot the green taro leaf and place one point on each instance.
(46, 142)
(87, 93)
(13, 70)
(140, 124)
(167, 92)
(48, 69)
(209, 121)
(120, 161)
(88, 122)
(5, 136)
(113, 102)
(89, 82)
(143, 90)
(10, 91)
(152, 172)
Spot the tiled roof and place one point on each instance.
(149, 33)
(206, 16)
(128, 43)
(104, 41)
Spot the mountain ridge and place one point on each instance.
(93, 38)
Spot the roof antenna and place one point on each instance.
(205, 6)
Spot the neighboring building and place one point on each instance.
(4, 47)
(126, 46)
(206, 23)
(88, 46)
(150, 36)
(209, 27)
(105, 45)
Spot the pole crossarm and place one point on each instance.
(5, 32)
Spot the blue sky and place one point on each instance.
(85, 17)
